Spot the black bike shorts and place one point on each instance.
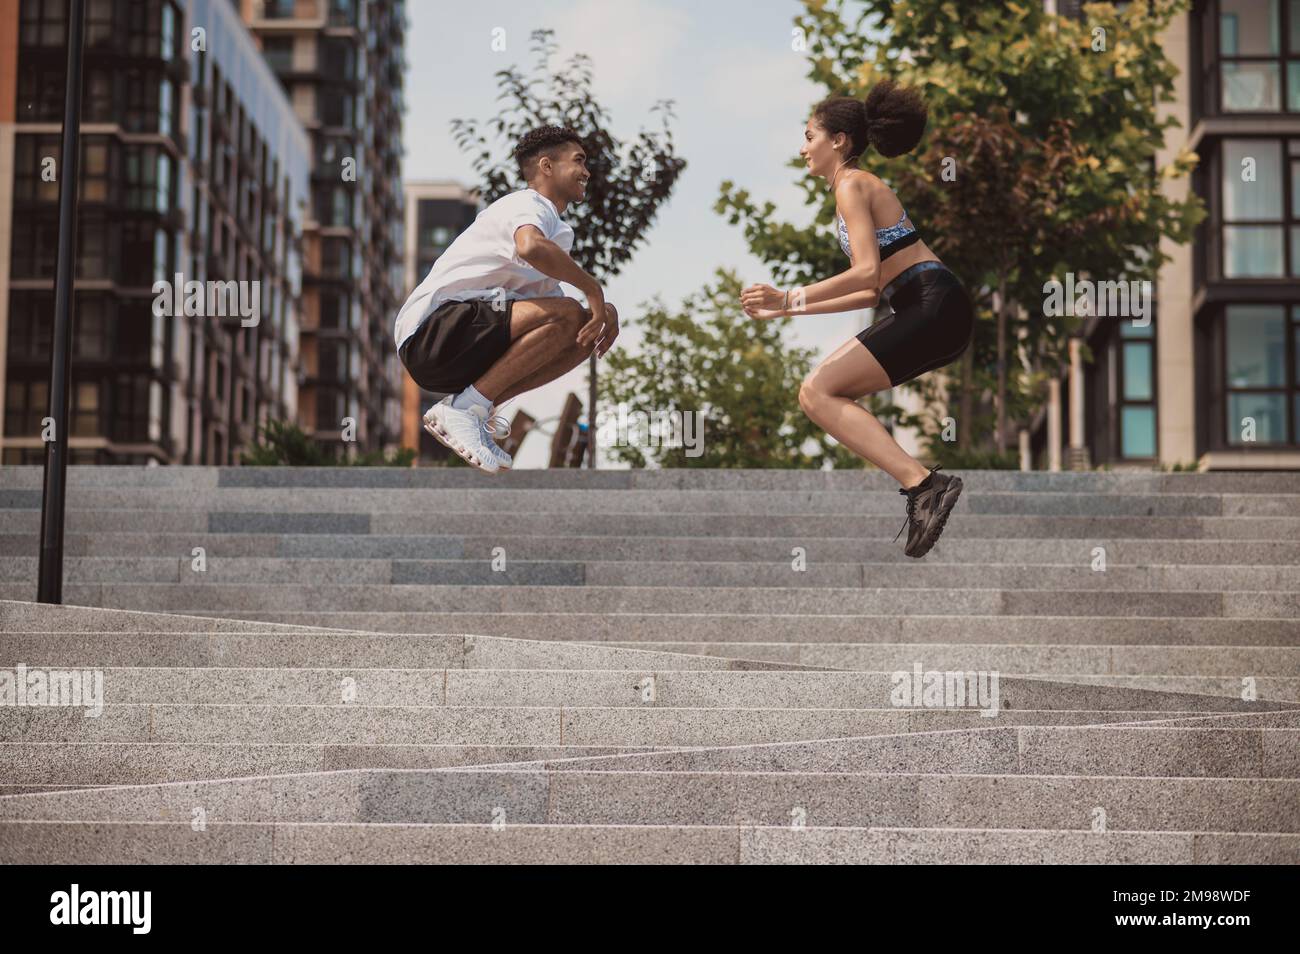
(932, 323)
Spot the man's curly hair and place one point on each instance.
(541, 141)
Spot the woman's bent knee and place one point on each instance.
(809, 396)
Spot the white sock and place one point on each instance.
(469, 396)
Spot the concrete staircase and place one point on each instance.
(668, 666)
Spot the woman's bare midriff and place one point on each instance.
(902, 260)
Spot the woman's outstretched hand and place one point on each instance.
(763, 302)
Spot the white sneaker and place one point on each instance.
(462, 431)
(492, 424)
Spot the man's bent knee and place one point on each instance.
(568, 309)
(563, 311)
(533, 314)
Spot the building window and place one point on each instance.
(267, 244)
(336, 258)
(41, 22)
(33, 156)
(333, 362)
(91, 338)
(338, 58)
(129, 421)
(166, 107)
(343, 13)
(144, 30)
(331, 408)
(1137, 391)
(85, 409)
(26, 402)
(334, 310)
(35, 243)
(94, 170)
(151, 102)
(1293, 160)
(1260, 383)
(1260, 203)
(133, 339)
(334, 206)
(167, 34)
(217, 378)
(29, 326)
(99, 23)
(148, 179)
(93, 248)
(278, 51)
(40, 94)
(277, 9)
(337, 105)
(1258, 53)
(142, 253)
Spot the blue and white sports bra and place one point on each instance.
(890, 239)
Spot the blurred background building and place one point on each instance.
(1224, 344)
(223, 154)
(342, 63)
(191, 162)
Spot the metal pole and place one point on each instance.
(591, 411)
(50, 586)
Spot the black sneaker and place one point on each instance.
(928, 506)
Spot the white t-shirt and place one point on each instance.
(482, 262)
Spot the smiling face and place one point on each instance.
(566, 171)
(819, 149)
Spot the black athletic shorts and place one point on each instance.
(931, 325)
(456, 344)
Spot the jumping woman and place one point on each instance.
(932, 319)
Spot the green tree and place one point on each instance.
(708, 358)
(1051, 128)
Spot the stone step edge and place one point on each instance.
(331, 774)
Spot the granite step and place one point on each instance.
(830, 628)
(191, 597)
(844, 799)
(314, 843)
(690, 573)
(583, 547)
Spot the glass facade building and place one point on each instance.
(342, 64)
(1246, 59)
(192, 166)
(1215, 380)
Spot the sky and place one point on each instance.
(741, 99)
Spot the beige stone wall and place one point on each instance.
(1175, 373)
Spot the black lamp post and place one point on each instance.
(50, 586)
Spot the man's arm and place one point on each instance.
(549, 259)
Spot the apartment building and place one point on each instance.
(193, 168)
(342, 64)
